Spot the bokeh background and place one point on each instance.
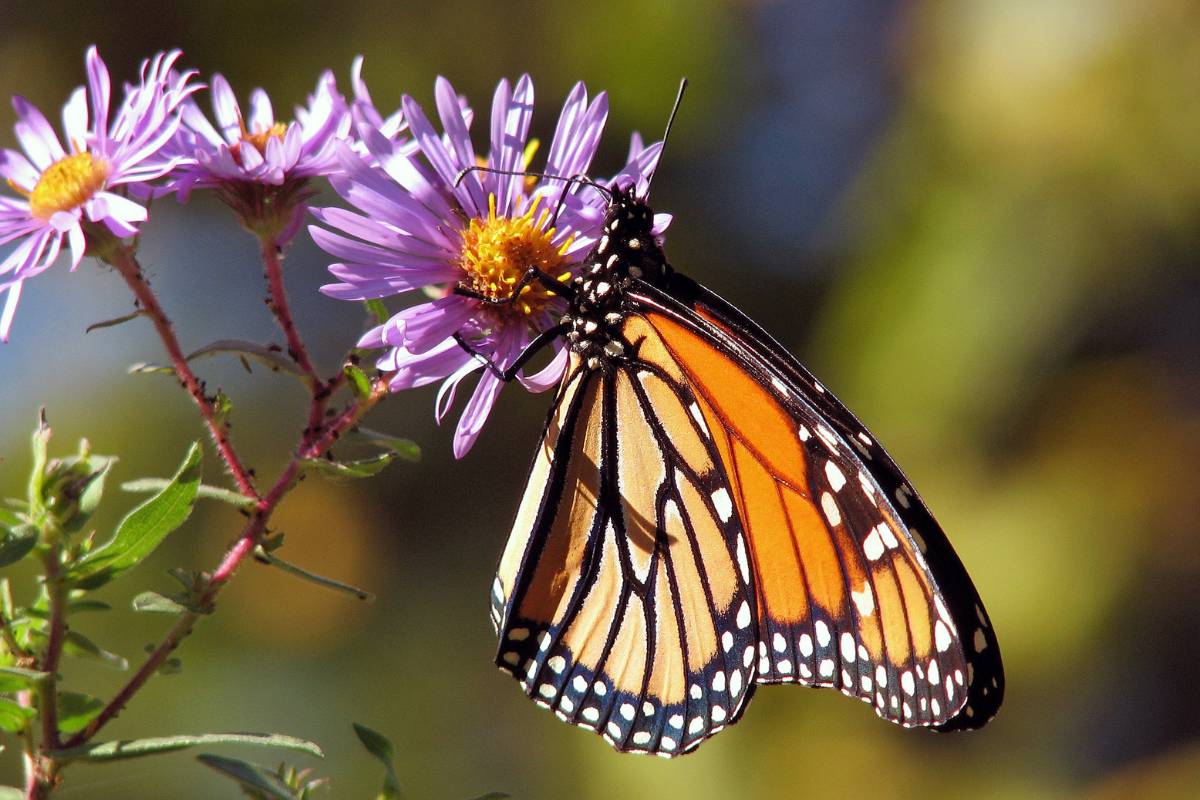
(978, 222)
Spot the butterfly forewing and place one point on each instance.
(619, 598)
(910, 599)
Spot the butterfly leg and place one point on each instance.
(532, 275)
(508, 374)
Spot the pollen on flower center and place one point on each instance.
(497, 252)
(258, 140)
(67, 184)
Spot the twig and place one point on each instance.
(312, 446)
(56, 638)
(272, 256)
(123, 259)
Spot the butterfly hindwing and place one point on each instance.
(619, 599)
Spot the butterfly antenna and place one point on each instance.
(531, 174)
(667, 133)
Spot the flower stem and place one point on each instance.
(313, 445)
(272, 257)
(56, 592)
(123, 259)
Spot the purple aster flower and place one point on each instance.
(417, 226)
(64, 191)
(258, 164)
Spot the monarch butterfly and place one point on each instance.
(703, 516)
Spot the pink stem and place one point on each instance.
(125, 262)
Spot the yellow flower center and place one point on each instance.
(66, 184)
(497, 252)
(257, 140)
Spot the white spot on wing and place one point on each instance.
(872, 546)
(723, 504)
(743, 562)
(864, 601)
(941, 636)
(805, 433)
(699, 417)
(822, 633)
(806, 645)
(848, 654)
(829, 506)
(836, 479)
(743, 615)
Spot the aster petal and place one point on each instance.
(78, 244)
(581, 139)
(36, 136)
(99, 87)
(475, 415)
(449, 388)
(412, 370)
(262, 116)
(549, 375)
(225, 108)
(75, 118)
(13, 296)
(459, 140)
(17, 169)
(430, 324)
(509, 135)
(196, 122)
(439, 158)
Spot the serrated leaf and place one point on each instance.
(109, 323)
(155, 603)
(384, 752)
(251, 777)
(76, 710)
(13, 716)
(205, 491)
(361, 468)
(80, 646)
(141, 531)
(136, 748)
(17, 544)
(329, 583)
(275, 359)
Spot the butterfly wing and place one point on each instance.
(620, 600)
(857, 586)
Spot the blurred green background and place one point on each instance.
(978, 222)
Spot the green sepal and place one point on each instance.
(141, 531)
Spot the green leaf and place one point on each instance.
(108, 323)
(407, 449)
(11, 793)
(360, 384)
(205, 492)
(362, 468)
(143, 528)
(156, 603)
(274, 358)
(76, 710)
(381, 747)
(14, 679)
(329, 583)
(92, 491)
(377, 309)
(41, 445)
(80, 646)
(77, 606)
(17, 544)
(11, 519)
(136, 748)
(13, 717)
(254, 780)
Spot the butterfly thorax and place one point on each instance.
(627, 251)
